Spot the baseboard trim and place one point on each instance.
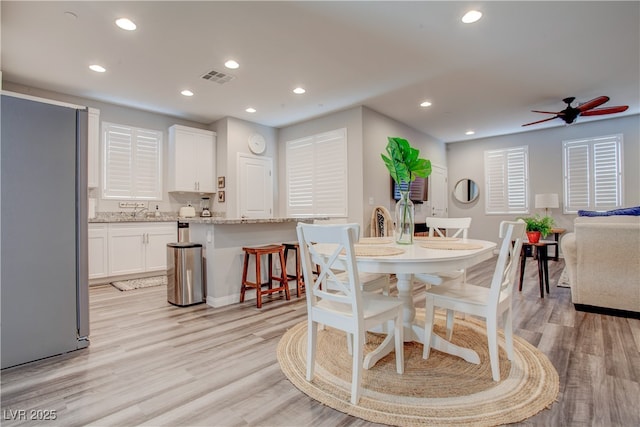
(607, 311)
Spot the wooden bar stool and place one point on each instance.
(268, 250)
(294, 246)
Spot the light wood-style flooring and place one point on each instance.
(150, 363)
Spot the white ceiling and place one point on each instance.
(388, 56)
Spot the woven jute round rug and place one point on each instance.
(442, 390)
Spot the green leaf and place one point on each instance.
(403, 161)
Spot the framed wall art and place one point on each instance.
(221, 182)
(220, 196)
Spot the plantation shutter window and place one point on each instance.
(592, 173)
(316, 173)
(507, 181)
(132, 163)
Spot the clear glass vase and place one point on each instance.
(404, 219)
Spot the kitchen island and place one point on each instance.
(222, 242)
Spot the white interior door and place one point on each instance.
(255, 192)
(438, 191)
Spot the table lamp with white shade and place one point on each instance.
(547, 201)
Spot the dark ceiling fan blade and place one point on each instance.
(560, 113)
(595, 102)
(540, 121)
(605, 110)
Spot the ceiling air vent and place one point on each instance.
(218, 77)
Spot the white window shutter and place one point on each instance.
(118, 158)
(507, 181)
(148, 175)
(132, 163)
(299, 161)
(593, 173)
(316, 175)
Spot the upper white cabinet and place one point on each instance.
(191, 160)
(93, 149)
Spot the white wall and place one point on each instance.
(466, 160)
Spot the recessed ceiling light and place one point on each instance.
(471, 16)
(187, 92)
(299, 91)
(231, 64)
(126, 24)
(425, 104)
(469, 132)
(250, 110)
(97, 68)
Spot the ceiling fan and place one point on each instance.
(588, 108)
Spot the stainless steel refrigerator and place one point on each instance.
(43, 221)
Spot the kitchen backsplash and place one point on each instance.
(168, 207)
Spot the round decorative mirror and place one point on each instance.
(466, 191)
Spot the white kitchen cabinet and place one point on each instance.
(139, 247)
(93, 149)
(158, 235)
(98, 251)
(191, 160)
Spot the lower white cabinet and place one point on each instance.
(139, 247)
(117, 249)
(98, 250)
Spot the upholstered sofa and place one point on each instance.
(602, 256)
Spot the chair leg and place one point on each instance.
(299, 279)
(270, 272)
(284, 280)
(523, 263)
(258, 282)
(428, 326)
(244, 276)
(492, 338)
(350, 344)
(357, 367)
(312, 337)
(508, 332)
(450, 314)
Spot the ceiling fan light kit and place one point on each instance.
(570, 114)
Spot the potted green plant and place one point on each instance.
(537, 226)
(404, 165)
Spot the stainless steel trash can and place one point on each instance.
(184, 274)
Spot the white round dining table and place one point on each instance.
(416, 258)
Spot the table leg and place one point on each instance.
(523, 263)
(544, 254)
(414, 331)
(540, 273)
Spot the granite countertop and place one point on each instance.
(107, 217)
(214, 220)
(127, 217)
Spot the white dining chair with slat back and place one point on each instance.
(347, 308)
(451, 228)
(487, 302)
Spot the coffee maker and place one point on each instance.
(205, 210)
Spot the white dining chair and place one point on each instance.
(488, 302)
(452, 228)
(347, 307)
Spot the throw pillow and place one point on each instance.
(633, 211)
